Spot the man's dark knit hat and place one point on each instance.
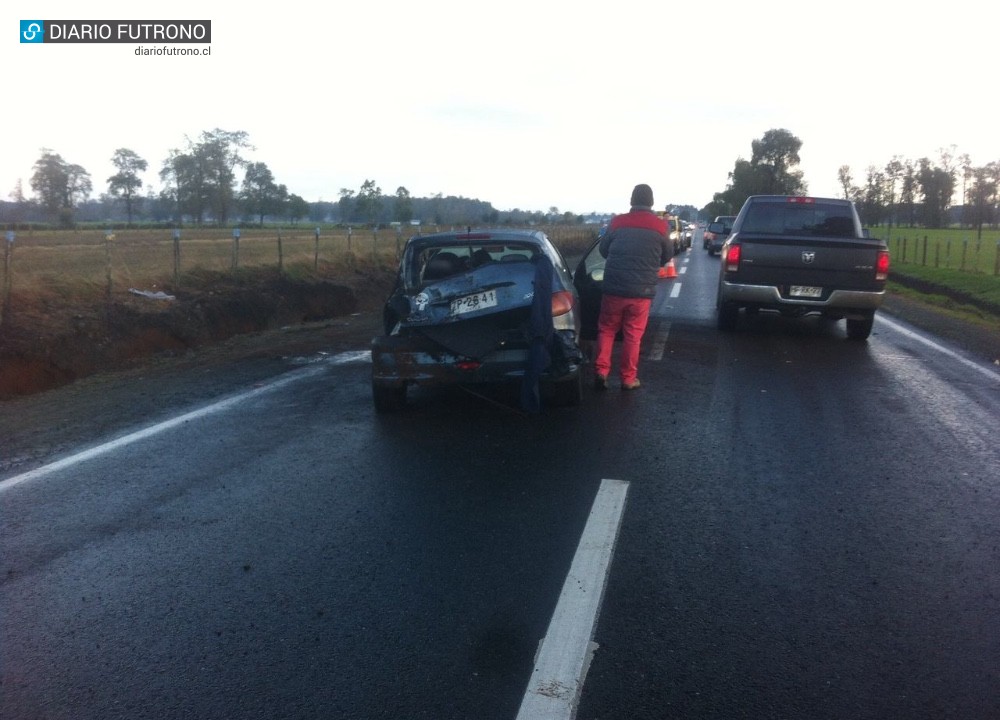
(642, 196)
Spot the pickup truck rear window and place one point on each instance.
(815, 219)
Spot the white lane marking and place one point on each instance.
(111, 446)
(659, 341)
(684, 269)
(940, 348)
(564, 656)
(675, 291)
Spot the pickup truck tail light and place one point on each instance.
(733, 258)
(882, 265)
(562, 303)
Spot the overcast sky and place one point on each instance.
(522, 103)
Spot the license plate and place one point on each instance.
(805, 291)
(476, 301)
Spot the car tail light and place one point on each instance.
(802, 200)
(882, 265)
(468, 365)
(733, 258)
(562, 303)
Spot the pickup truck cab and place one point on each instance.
(800, 256)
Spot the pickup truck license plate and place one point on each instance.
(476, 301)
(805, 291)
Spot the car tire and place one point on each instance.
(727, 315)
(860, 328)
(568, 392)
(388, 398)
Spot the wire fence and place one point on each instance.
(964, 254)
(72, 263)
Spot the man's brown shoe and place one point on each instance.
(600, 382)
(631, 386)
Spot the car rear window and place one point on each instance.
(810, 219)
(434, 262)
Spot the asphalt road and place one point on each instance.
(810, 532)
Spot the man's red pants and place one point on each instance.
(629, 315)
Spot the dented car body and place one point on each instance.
(465, 310)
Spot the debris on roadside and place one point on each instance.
(151, 295)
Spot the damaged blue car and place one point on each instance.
(480, 307)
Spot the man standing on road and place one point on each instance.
(636, 246)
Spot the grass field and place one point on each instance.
(953, 262)
(75, 264)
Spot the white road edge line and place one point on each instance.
(293, 376)
(940, 348)
(565, 652)
(660, 341)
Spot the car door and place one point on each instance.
(589, 281)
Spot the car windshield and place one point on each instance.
(430, 263)
(816, 219)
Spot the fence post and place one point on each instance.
(8, 252)
(316, 250)
(923, 262)
(349, 233)
(975, 267)
(108, 237)
(236, 249)
(965, 249)
(937, 252)
(374, 243)
(904, 250)
(996, 260)
(947, 257)
(281, 254)
(177, 256)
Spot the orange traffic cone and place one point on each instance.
(669, 271)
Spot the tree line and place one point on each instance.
(201, 184)
(904, 192)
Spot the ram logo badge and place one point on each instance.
(808, 257)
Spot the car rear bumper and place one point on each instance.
(417, 360)
(771, 296)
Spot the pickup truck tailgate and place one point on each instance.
(844, 263)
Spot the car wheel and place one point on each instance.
(727, 315)
(568, 392)
(860, 328)
(388, 398)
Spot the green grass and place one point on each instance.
(953, 261)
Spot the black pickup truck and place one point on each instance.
(800, 256)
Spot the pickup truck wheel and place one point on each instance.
(388, 398)
(727, 314)
(860, 329)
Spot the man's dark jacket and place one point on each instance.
(636, 246)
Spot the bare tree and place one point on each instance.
(845, 179)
